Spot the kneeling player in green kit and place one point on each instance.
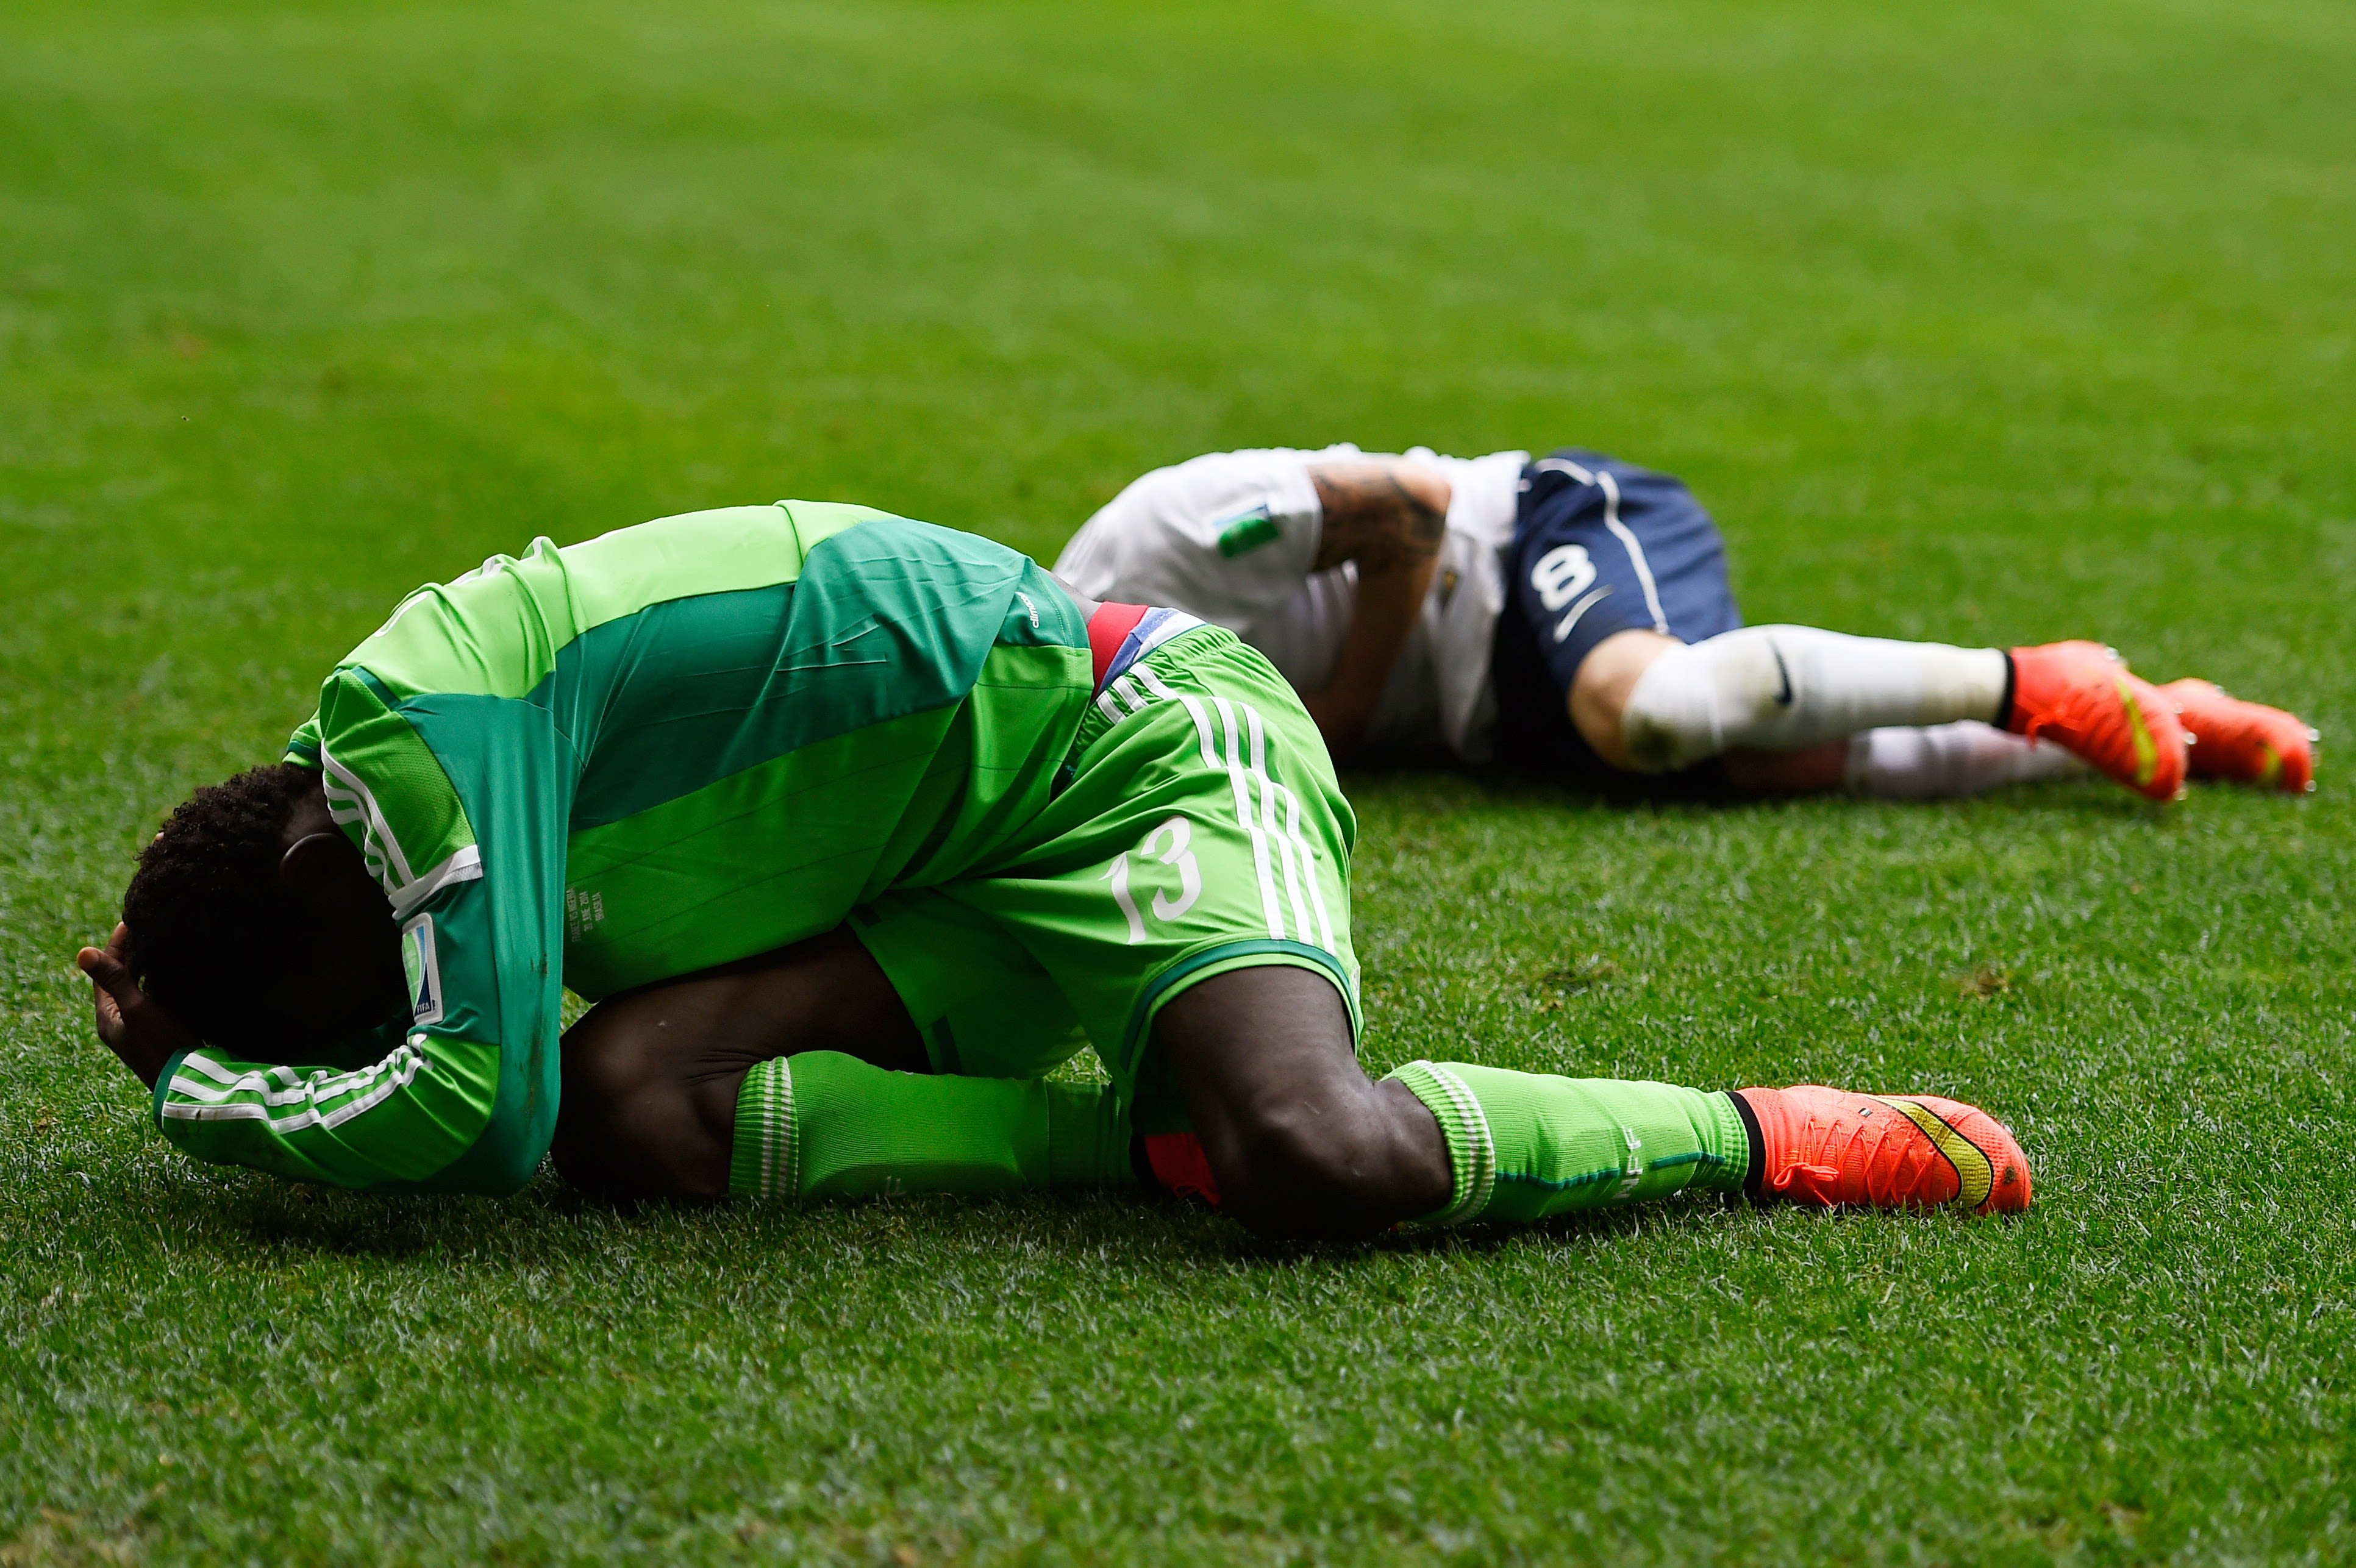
(854, 827)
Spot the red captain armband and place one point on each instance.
(1178, 1163)
(1108, 628)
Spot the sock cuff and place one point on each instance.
(1087, 1136)
(765, 1159)
(1472, 1151)
(1738, 1134)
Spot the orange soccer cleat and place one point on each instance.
(1829, 1147)
(2081, 696)
(2245, 742)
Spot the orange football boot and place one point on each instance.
(1829, 1147)
(2081, 696)
(2245, 742)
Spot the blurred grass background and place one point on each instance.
(1994, 323)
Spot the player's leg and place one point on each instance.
(1300, 1143)
(1941, 762)
(1918, 718)
(1295, 1140)
(822, 1125)
(1622, 591)
(1781, 688)
(650, 1076)
(1784, 688)
(1189, 890)
(1910, 758)
(803, 1073)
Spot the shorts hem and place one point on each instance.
(1195, 967)
(1598, 628)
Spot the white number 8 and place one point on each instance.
(1562, 573)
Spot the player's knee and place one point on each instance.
(1699, 699)
(1670, 720)
(1298, 1170)
(600, 1134)
(1299, 1142)
(626, 1125)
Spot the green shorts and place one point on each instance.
(1199, 830)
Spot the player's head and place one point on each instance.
(255, 923)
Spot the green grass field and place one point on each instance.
(1993, 323)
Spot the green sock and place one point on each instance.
(823, 1125)
(1528, 1145)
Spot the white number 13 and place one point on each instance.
(1180, 833)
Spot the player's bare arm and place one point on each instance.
(1388, 517)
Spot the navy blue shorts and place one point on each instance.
(1600, 547)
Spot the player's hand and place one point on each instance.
(133, 1025)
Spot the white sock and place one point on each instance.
(1779, 688)
(1950, 760)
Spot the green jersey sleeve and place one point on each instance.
(398, 1121)
(456, 804)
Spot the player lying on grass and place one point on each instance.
(1574, 615)
(803, 793)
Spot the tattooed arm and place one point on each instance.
(1388, 517)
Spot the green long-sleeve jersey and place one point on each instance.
(675, 745)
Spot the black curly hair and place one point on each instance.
(209, 918)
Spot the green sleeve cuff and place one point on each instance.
(164, 1087)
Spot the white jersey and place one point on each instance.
(1231, 537)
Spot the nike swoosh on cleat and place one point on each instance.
(1783, 698)
(1975, 1172)
(2147, 751)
